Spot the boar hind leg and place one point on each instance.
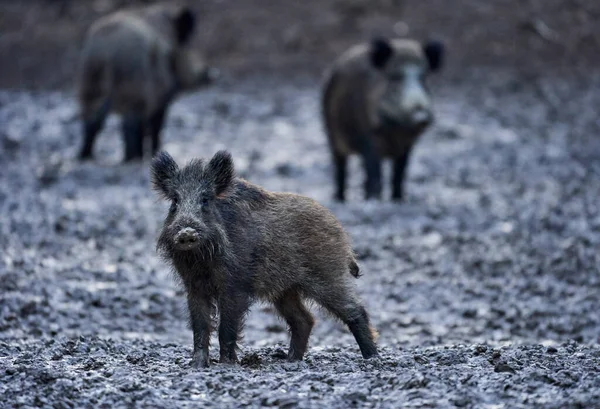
(300, 321)
(341, 163)
(343, 303)
(400, 164)
(93, 122)
(232, 309)
(133, 136)
(155, 125)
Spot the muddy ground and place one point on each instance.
(483, 284)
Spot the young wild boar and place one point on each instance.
(376, 103)
(232, 242)
(134, 62)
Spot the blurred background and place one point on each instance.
(40, 39)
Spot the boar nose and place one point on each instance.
(186, 237)
(421, 116)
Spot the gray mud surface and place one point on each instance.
(484, 284)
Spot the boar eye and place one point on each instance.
(204, 201)
(174, 204)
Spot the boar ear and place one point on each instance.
(434, 52)
(185, 22)
(222, 171)
(163, 169)
(381, 52)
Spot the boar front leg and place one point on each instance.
(93, 122)
(372, 165)
(233, 307)
(340, 164)
(200, 319)
(400, 164)
(133, 135)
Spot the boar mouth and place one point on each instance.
(413, 121)
(186, 246)
(420, 117)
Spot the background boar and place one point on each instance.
(134, 62)
(375, 103)
(232, 242)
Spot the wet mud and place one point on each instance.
(483, 284)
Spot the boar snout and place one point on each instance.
(421, 117)
(186, 239)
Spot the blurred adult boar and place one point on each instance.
(376, 104)
(134, 62)
(232, 242)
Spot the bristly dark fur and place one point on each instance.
(222, 171)
(163, 170)
(247, 244)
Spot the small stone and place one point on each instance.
(480, 349)
(421, 359)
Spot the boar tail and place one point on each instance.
(354, 269)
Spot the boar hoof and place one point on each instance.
(371, 355)
(373, 194)
(228, 361)
(340, 198)
(373, 198)
(200, 362)
(85, 156)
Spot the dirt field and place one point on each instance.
(483, 285)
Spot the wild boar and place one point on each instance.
(134, 62)
(232, 242)
(376, 104)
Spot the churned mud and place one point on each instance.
(483, 285)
